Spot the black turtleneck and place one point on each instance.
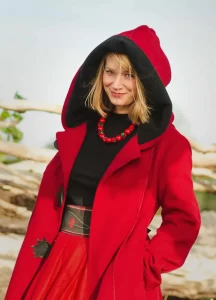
(94, 158)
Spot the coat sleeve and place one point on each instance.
(42, 224)
(169, 248)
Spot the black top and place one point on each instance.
(94, 158)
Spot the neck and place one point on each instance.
(121, 110)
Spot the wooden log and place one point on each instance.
(202, 149)
(24, 152)
(201, 160)
(201, 172)
(25, 178)
(14, 210)
(28, 105)
(205, 188)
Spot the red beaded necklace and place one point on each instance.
(114, 139)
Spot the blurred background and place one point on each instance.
(43, 43)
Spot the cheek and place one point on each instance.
(132, 88)
(133, 85)
(106, 81)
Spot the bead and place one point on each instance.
(127, 131)
(102, 120)
(119, 138)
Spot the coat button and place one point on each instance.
(56, 145)
(60, 197)
(42, 248)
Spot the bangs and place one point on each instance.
(122, 61)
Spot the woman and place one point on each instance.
(119, 159)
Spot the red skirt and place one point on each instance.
(64, 273)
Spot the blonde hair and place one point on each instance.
(139, 111)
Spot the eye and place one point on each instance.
(129, 75)
(109, 71)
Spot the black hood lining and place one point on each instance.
(157, 96)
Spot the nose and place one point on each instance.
(117, 82)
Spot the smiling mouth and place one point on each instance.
(118, 95)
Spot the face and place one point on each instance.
(119, 85)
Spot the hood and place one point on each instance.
(142, 46)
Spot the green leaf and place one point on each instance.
(2, 157)
(4, 115)
(18, 96)
(16, 134)
(6, 130)
(17, 116)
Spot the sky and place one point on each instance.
(43, 43)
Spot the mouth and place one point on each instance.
(117, 95)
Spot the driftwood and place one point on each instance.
(202, 149)
(201, 160)
(8, 209)
(24, 152)
(201, 172)
(27, 105)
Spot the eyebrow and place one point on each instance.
(124, 71)
(107, 67)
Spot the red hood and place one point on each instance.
(147, 40)
(142, 46)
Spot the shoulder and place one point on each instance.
(172, 139)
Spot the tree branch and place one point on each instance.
(201, 160)
(24, 152)
(201, 149)
(7, 124)
(27, 105)
(16, 211)
(202, 172)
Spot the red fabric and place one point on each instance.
(122, 262)
(149, 43)
(64, 273)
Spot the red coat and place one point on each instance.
(123, 262)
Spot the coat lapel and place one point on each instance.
(129, 152)
(69, 143)
(116, 209)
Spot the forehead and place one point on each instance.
(117, 62)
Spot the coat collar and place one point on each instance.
(70, 141)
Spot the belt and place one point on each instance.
(76, 220)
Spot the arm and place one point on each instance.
(42, 224)
(169, 248)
